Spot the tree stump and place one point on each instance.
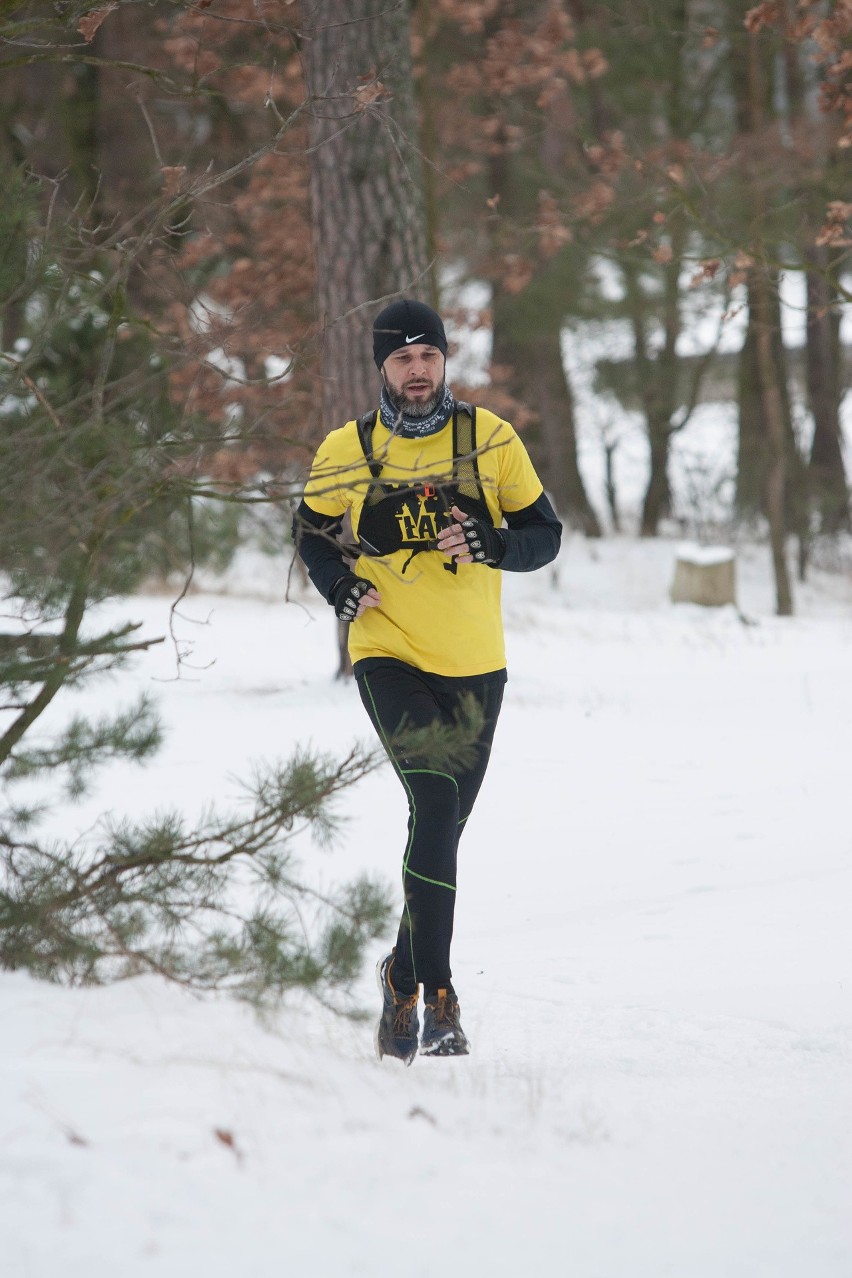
(705, 575)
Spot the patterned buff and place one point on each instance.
(415, 427)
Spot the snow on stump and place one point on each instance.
(704, 575)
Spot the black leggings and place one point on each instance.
(439, 803)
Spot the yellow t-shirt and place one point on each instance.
(442, 622)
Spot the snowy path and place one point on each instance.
(652, 955)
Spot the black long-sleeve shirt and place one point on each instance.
(532, 539)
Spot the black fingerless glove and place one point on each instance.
(484, 542)
(346, 593)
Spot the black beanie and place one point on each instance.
(402, 324)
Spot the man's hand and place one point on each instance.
(469, 540)
(351, 595)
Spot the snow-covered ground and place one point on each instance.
(652, 956)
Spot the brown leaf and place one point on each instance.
(594, 203)
(552, 231)
(839, 211)
(366, 94)
(706, 271)
(595, 64)
(832, 234)
(226, 1138)
(90, 21)
(172, 175)
(762, 15)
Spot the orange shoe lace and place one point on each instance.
(403, 1008)
(446, 1008)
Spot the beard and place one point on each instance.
(416, 407)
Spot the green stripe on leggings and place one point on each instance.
(401, 773)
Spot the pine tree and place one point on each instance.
(93, 477)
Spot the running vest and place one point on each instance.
(408, 517)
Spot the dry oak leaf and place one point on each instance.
(839, 210)
(552, 231)
(227, 1139)
(172, 175)
(834, 231)
(90, 21)
(366, 94)
(762, 15)
(595, 63)
(706, 270)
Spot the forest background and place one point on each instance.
(206, 203)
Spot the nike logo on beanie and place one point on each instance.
(409, 340)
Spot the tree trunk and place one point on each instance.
(754, 426)
(527, 340)
(658, 371)
(750, 494)
(657, 501)
(366, 190)
(773, 412)
(610, 486)
(827, 473)
(560, 469)
(657, 378)
(766, 377)
(538, 381)
(826, 481)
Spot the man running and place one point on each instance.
(428, 482)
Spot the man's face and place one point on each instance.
(414, 376)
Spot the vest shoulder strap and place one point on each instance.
(365, 426)
(465, 466)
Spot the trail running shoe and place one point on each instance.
(396, 1032)
(442, 1032)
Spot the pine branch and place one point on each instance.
(58, 673)
(84, 746)
(164, 898)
